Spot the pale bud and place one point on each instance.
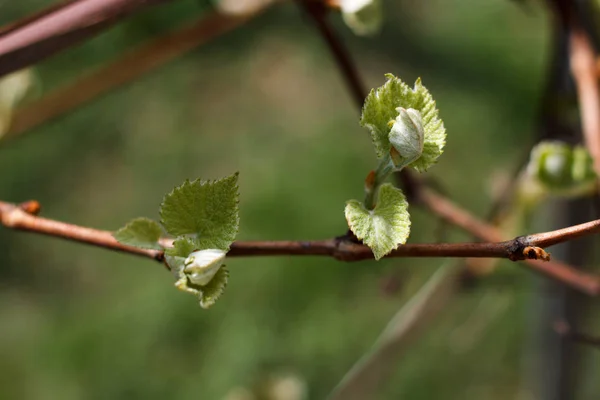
(406, 137)
(201, 266)
(362, 16)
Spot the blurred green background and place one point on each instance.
(266, 100)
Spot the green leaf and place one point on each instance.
(182, 247)
(211, 292)
(380, 108)
(175, 256)
(140, 232)
(384, 227)
(206, 210)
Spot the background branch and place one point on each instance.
(130, 66)
(26, 43)
(318, 12)
(365, 377)
(584, 70)
(563, 328)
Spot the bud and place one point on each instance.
(362, 16)
(406, 137)
(202, 265)
(561, 169)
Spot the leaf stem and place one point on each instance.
(374, 181)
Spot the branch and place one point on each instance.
(38, 37)
(23, 217)
(584, 70)
(131, 65)
(318, 12)
(521, 248)
(556, 270)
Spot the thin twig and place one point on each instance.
(128, 67)
(23, 44)
(563, 328)
(521, 248)
(318, 12)
(365, 377)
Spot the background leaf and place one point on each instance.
(380, 108)
(140, 232)
(208, 210)
(384, 227)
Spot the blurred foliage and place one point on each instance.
(265, 100)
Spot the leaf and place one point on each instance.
(211, 292)
(140, 232)
(176, 255)
(206, 210)
(380, 108)
(182, 247)
(384, 227)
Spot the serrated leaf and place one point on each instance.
(386, 226)
(211, 292)
(380, 108)
(207, 210)
(140, 232)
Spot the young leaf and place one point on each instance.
(384, 227)
(182, 247)
(206, 210)
(140, 232)
(380, 108)
(211, 292)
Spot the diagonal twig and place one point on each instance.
(365, 377)
(318, 12)
(128, 67)
(23, 44)
(563, 328)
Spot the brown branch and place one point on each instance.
(520, 248)
(318, 12)
(20, 217)
(556, 270)
(38, 37)
(583, 68)
(131, 65)
(563, 328)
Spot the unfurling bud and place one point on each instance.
(561, 169)
(406, 137)
(201, 266)
(362, 16)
